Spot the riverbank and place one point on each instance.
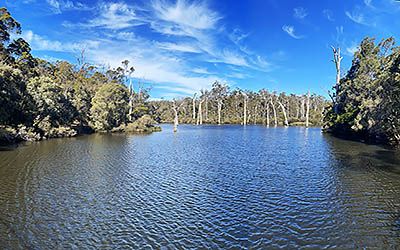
(12, 135)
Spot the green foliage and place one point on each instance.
(367, 99)
(109, 106)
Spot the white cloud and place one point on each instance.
(185, 14)
(202, 71)
(356, 17)
(328, 14)
(38, 42)
(114, 16)
(300, 13)
(180, 47)
(58, 6)
(352, 49)
(291, 31)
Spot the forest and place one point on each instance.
(220, 105)
(365, 103)
(41, 99)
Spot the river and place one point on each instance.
(203, 187)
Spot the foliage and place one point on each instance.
(109, 106)
(232, 107)
(366, 102)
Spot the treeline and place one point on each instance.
(366, 101)
(221, 105)
(39, 99)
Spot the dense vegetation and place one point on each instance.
(39, 99)
(220, 105)
(366, 101)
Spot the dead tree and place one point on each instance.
(176, 109)
(219, 108)
(308, 109)
(200, 113)
(194, 108)
(274, 110)
(284, 113)
(245, 109)
(337, 58)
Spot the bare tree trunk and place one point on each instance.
(267, 115)
(200, 114)
(308, 108)
(284, 113)
(219, 111)
(176, 120)
(176, 109)
(255, 114)
(337, 58)
(194, 108)
(245, 110)
(274, 110)
(130, 104)
(206, 109)
(302, 109)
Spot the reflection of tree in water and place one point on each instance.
(368, 186)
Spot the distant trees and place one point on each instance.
(366, 101)
(242, 107)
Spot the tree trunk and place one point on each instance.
(337, 58)
(206, 109)
(267, 115)
(274, 110)
(176, 121)
(245, 110)
(302, 109)
(219, 111)
(308, 109)
(194, 109)
(284, 113)
(200, 114)
(255, 115)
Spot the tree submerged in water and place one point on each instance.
(366, 101)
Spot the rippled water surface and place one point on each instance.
(204, 187)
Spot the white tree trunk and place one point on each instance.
(308, 109)
(267, 115)
(194, 108)
(274, 110)
(220, 103)
(206, 109)
(176, 120)
(245, 110)
(284, 113)
(200, 114)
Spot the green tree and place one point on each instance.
(109, 106)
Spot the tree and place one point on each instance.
(109, 106)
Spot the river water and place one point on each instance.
(203, 187)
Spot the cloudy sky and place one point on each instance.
(182, 46)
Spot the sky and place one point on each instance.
(179, 47)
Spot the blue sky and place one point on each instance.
(180, 47)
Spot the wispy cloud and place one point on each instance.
(180, 47)
(291, 31)
(113, 16)
(300, 13)
(38, 42)
(356, 17)
(328, 14)
(58, 6)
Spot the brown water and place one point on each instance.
(204, 187)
